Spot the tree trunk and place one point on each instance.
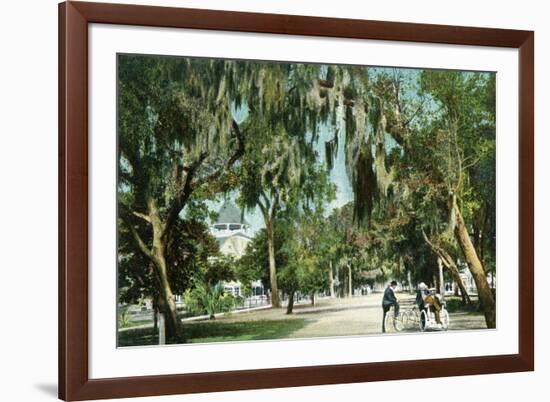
(441, 278)
(350, 284)
(313, 299)
(275, 302)
(167, 305)
(458, 280)
(162, 330)
(157, 255)
(290, 305)
(450, 264)
(342, 289)
(174, 327)
(486, 300)
(155, 315)
(409, 281)
(331, 280)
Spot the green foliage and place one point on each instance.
(208, 299)
(124, 319)
(455, 305)
(254, 264)
(220, 331)
(413, 141)
(462, 155)
(189, 255)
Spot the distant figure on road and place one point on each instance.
(389, 300)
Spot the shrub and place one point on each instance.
(204, 299)
(124, 319)
(456, 305)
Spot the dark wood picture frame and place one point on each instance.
(74, 17)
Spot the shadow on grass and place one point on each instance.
(218, 331)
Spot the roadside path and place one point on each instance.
(360, 315)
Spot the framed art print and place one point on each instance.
(259, 200)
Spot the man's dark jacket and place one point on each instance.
(389, 297)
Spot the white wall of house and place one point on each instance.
(235, 246)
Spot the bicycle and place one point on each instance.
(428, 321)
(393, 323)
(411, 317)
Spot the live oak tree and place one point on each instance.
(350, 246)
(177, 139)
(464, 146)
(280, 167)
(451, 144)
(276, 175)
(365, 252)
(254, 264)
(440, 131)
(187, 256)
(268, 176)
(308, 269)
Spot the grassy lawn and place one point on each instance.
(149, 321)
(137, 323)
(329, 318)
(218, 331)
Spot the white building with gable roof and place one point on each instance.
(231, 230)
(233, 234)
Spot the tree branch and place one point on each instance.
(239, 151)
(139, 241)
(142, 216)
(413, 116)
(274, 205)
(266, 200)
(397, 131)
(438, 250)
(450, 265)
(263, 209)
(471, 164)
(190, 184)
(183, 194)
(325, 84)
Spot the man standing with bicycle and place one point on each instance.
(389, 300)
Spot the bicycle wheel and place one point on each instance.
(388, 321)
(410, 320)
(414, 317)
(423, 322)
(398, 324)
(406, 319)
(445, 319)
(392, 323)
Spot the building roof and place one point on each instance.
(229, 213)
